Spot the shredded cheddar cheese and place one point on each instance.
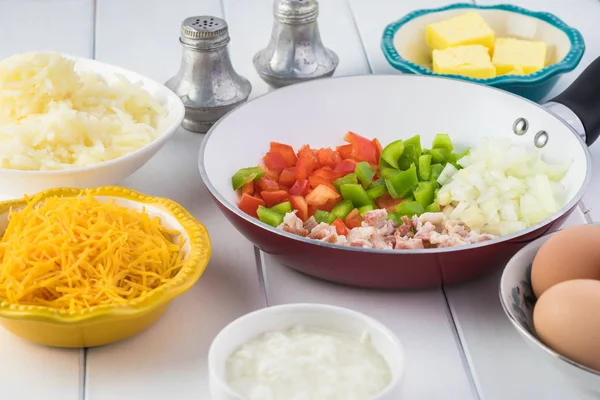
(73, 253)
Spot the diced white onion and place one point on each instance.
(502, 188)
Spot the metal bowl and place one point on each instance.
(403, 44)
(106, 324)
(518, 300)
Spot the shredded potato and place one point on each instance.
(73, 253)
(53, 118)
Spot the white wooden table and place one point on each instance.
(459, 344)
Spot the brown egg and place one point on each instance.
(573, 253)
(567, 319)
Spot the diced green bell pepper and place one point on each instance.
(269, 217)
(246, 175)
(436, 170)
(452, 159)
(433, 207)
(416, 142)
(350, 178)
(377, 191)
(392, 216)
(409, 208)
(409, 156)
(424, 193)
(365, 173)
(439, 156)
(324, 216)
(284, 208)
(425, 167)
(442, 141)
(403, 183)
(342, 209)
(356, 194)
(392, 152)
(388, 173)
(378, 182)
(364, 209)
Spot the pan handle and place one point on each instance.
(579, 104)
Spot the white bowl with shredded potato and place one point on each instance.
(88, 267)
(74, 122)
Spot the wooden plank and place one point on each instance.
(420, 319)
(169, 360)
(503, 365)
(27, 370)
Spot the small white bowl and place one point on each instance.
(321, 316)
(518, 301)
(16, 183)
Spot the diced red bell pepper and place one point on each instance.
(353, 220)
(321, 195)
(329, 205)
(299, 188)
(299, 204)
(326, 173)
(287, 177)
(248, 188)
(305, 167)
(345, 151)
(274, 160)
(363, 149)
(273, 173)
(267, 184)
(307, 151)
(328, 157)
(340, 227)
(378, 147)
(249, 204)
(316, 180)
(345, 167)
(286, 152)
(388, 202)
(276, 197)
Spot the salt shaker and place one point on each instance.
(207, 83)
(295, 52)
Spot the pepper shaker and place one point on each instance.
(295, 52)
(207, 83)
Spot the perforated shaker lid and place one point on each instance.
(204, 31)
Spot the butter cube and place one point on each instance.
(471, 60)
(469, 28)
(519, 57)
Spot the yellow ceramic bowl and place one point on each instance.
(105, 324)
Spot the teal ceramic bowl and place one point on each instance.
(405, 48)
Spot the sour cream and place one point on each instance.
(307, 364)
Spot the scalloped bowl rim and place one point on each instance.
(524, 332)
(567, 64)
(193, 267)
(174, 103)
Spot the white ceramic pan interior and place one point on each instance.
(388, 108)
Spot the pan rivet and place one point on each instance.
(520, 126)
(540, 139)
